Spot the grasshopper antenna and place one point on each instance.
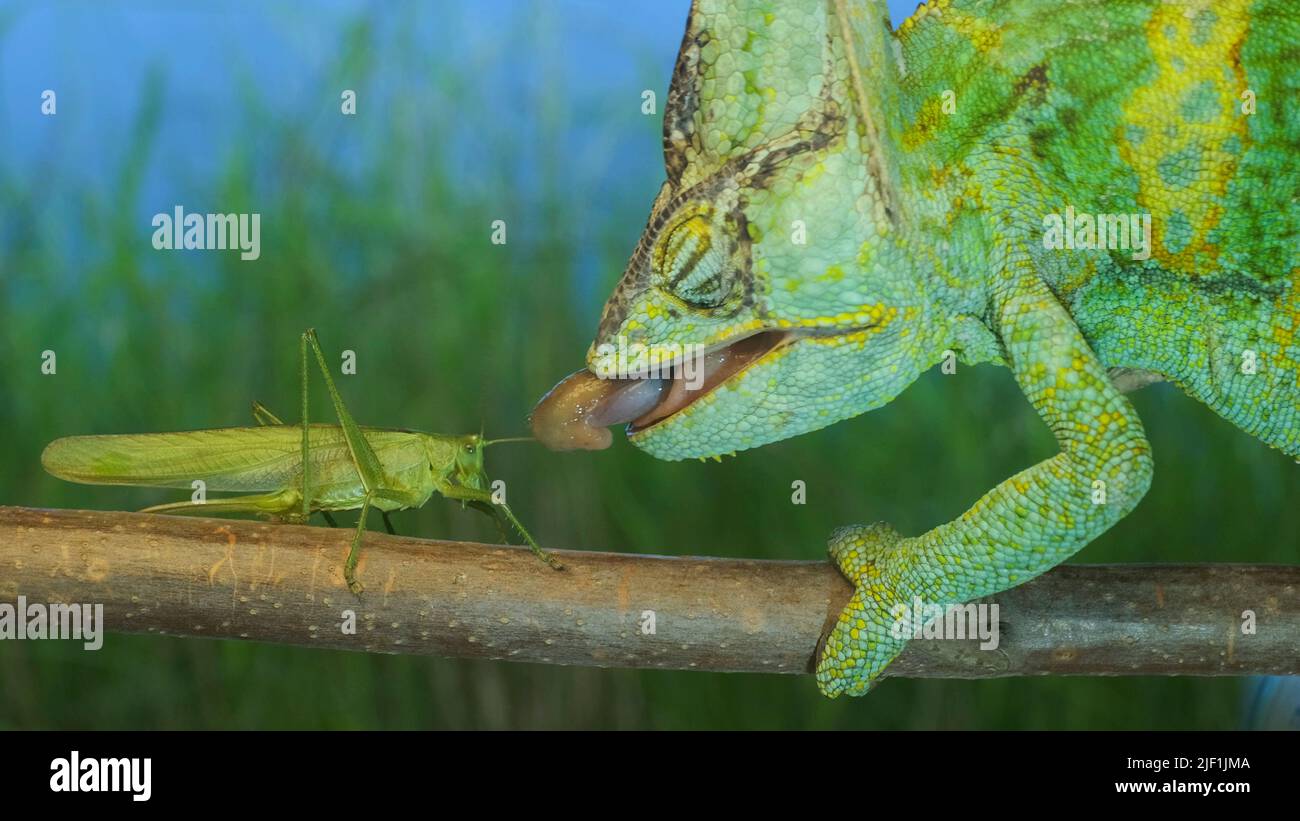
(486, 442)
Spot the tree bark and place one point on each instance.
(219, 578)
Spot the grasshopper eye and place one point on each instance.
(693, 265)
(469, 448)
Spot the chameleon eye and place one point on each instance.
(692, 264)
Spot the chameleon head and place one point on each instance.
(771, 293)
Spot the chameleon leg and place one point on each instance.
(471, 495)
(864, 639)
(1024, 526)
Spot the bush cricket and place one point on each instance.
(292, 471)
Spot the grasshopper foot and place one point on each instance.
(863, 641)
(547, 558)
(350, 576)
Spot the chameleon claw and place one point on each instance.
(863, 642)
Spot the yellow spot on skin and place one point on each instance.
(983, 35)
(810, 176)
(1153, 118)
(927, 123)
(834, 273)
(935, 8)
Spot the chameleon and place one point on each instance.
(1093, 195)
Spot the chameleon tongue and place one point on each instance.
(576, 413)
(710, 371)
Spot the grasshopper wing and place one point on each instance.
(226, 459)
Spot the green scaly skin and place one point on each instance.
(923, 215)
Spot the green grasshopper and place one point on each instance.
(292, 471)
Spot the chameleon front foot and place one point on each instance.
(863, 641)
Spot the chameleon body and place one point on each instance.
(876, 199)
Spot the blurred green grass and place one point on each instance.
(394, 262)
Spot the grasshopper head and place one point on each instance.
(469, 458)
(469, 461)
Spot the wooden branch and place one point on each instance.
(213, 578)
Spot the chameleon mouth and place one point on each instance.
(685, 387)
(576, 414)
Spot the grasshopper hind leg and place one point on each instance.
(282, 503)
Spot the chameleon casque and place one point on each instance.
(925, 165)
